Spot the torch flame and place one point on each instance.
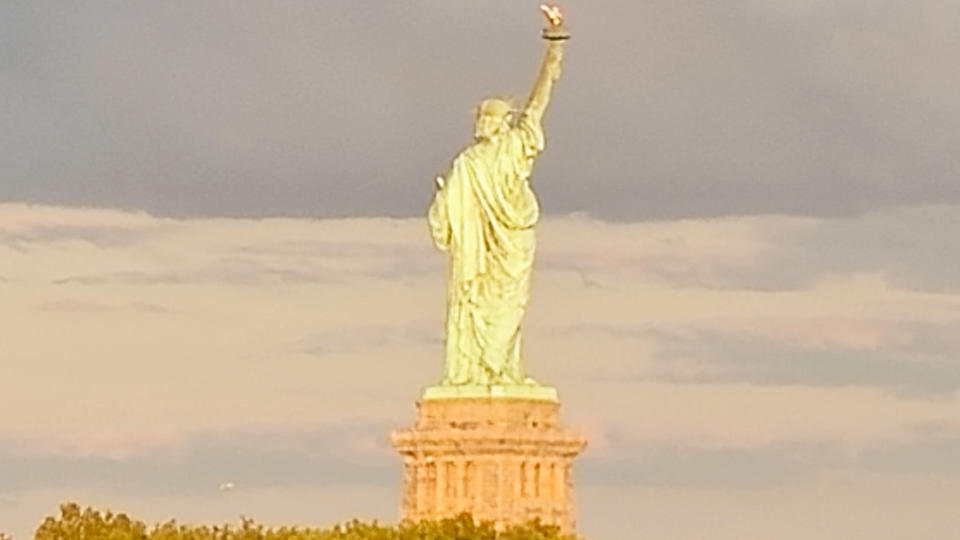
(553, 13)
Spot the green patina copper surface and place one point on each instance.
(483, 217)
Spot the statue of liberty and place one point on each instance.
(483, 217)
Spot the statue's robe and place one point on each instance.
(483, 217)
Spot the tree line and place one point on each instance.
(75, 523)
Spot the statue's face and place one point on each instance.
(493, 118)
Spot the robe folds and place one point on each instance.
(483, 218)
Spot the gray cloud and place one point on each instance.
(365, 338)
(912, 248)
(714, 468)
(150, 307)
(70, 305)
(286, 262)
(332, 455)
(761, 361)
(324, 248)
(932, 450)
(922, 364)
(668, 108)
(907, 246)
(380, 259)
(632, 464)
(102, 237)
(360, 455)
(929, 456)
(229, 270)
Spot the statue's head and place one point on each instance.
(494, 117)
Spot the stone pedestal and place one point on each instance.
(502, 459)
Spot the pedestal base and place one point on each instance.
(502, 459)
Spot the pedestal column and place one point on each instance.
(508, 461)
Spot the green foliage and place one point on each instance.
(90, 524)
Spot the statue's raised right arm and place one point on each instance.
(556, 37)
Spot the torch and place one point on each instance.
(554, 31)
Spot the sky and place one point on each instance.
(214, 264)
